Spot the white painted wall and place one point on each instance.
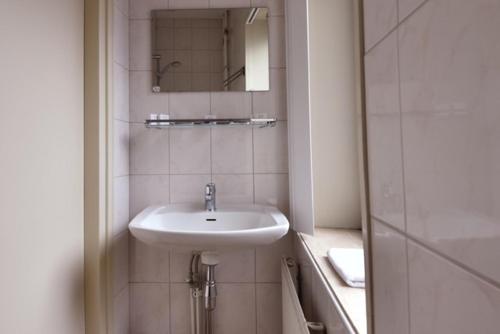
(333, 114)
(41, 167)
(299, 118)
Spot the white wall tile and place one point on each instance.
(120, 204)
(149, 308)
(123, 6)
(121, 314)
(277, 47)
(268, 308)
(236, 266)
(446, 299)
(148, 263)
(120, 148)
(273, 102)
(232, 150)
(231, 104)
(149, 150)
(268, 259)
(141, 9)
(451, 129)
(179, 265)
(234, 189)
(120, 38)
(449, 80)
(143, 101)
(119, 263)
(276, 7)
(390, 280)
(384, 133)
(405, 7)
(189, 105)
(120, 93)
(188, 188)
(271, 149)
(380, 16)
(233, 315)
(186, 4)
(147, 190)
(140, 45)
(190, 151)
(180, 314)
(272, 189)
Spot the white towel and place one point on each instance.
(349, 264)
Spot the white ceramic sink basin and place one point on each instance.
(193, 226)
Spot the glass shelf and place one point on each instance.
(179, 123)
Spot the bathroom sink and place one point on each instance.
(233, 226)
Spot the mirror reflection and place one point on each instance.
(210, 50)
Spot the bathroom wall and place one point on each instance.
(334, 145)
(432, 81)
(41, 178)
(120, 110)
(173, 166)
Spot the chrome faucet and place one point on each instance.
(210, 197)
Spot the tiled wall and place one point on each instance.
(433, 76)
(120, 101)
(173, 166)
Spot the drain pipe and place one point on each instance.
(210, 260)
(195, 292)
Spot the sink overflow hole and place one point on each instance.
(211, 220)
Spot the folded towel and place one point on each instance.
(349, 263)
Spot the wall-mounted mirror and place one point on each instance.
(210, 50)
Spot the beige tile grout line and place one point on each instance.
(403, 183)
(252, 111)
(442, 256)
(167, 2)
(395, 27)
